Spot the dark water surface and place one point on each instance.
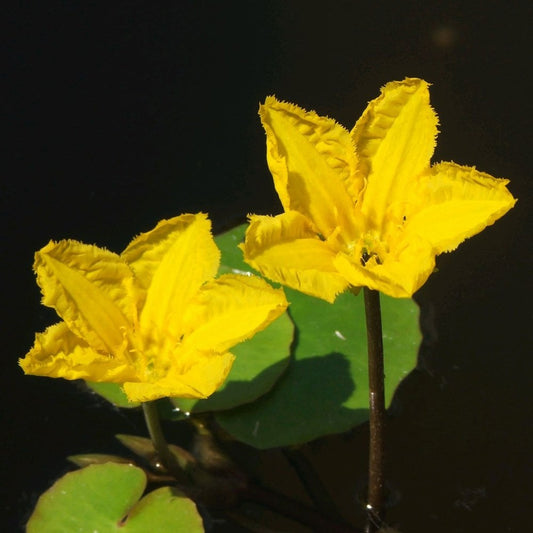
(123, 113)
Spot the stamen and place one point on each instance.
(365, 257)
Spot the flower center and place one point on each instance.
(369, 249)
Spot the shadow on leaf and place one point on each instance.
(307, 402)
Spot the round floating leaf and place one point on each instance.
(325, 389)
(105, 498)
(113, 393)
(260, 361)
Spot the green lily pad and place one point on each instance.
(260, 361)
(105, 498)
(325, 389)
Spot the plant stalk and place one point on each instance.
(278, 503)
(167, 458)
(312, 483)
(295, 510)
(376, 377)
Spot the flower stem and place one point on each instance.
(167, 458)
(376, 385)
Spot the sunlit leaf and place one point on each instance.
(106, 498)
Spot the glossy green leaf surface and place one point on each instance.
(260, 361)
(325, 388)
(106, 498)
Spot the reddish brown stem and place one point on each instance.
(376, 377)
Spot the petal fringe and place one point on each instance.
(59, 353)
(394, 139)
(312, 160)
(92, 289)
(454, 202)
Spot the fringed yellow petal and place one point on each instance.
(200, 381)
(58, 353)
(395, 139)
(285, 249)
(455, 202)
(90, 288)
(171, 262)
(146, 391)
(229, 310)
(313, 163)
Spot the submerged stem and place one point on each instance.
(166, 457)
(376, 377)
(295, 510)
(312, 483)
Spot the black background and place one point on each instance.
(121, 113)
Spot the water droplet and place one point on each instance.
(339, 335)
(241, 272)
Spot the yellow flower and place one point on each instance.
(152, 318)
(365, 208)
